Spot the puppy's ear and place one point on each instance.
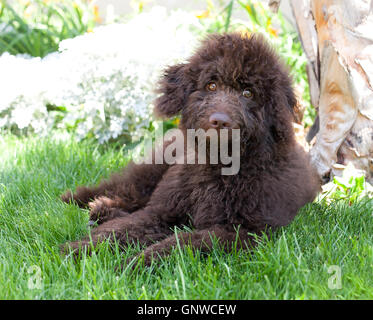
(282, 112)
(291, 100)
(174, 89)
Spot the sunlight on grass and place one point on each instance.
(292, 263)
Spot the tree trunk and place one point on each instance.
(337, 36)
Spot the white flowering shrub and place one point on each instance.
(99, 84)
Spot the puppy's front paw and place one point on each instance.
(103, 209)
(81, 197)
(67, 197)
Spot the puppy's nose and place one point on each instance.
(219, 120)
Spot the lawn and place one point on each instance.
(292, 264)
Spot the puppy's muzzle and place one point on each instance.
(220, 120)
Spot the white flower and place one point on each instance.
(104, 80)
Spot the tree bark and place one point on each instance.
(337, 36)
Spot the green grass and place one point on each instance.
(36, 28)
(292, 264)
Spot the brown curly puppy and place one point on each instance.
(231, 81)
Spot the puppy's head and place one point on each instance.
(231, 82)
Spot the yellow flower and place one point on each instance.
(139, 4)
(203, 15)
(272, 31)
(269, 28)
(96, 14)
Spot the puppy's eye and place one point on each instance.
(247, 93)
(211, 86)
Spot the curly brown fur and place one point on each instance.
(275, 180)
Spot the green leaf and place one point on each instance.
(229, 9)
